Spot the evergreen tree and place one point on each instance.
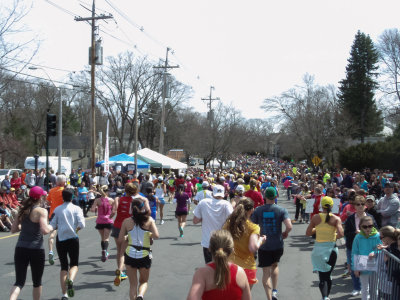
(356, 91)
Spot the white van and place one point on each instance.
(66, 163)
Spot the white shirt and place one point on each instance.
(202, 195)
(67, 217)
(213, 214)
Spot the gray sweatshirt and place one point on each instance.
(388, 207)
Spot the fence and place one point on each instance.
(384, 284)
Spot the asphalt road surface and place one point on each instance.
(174, 262)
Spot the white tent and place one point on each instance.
(165, 161)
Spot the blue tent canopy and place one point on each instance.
(125, 159)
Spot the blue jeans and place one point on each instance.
(356, 280)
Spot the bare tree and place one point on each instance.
(311, 115)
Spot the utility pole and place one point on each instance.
(210, 99)
(164, 95)
(93, 18)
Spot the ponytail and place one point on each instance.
(221, 247)
(26, 208)
(328, 211)
(236, 222)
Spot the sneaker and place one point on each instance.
(123, 275)
(104, 255)
(139, 298)
(5, 229)
(274, 295)
(346, 274)
(355, 293)
(180, 231)
(64, 298)
(117, 279)
(70, 288)
(162, 222)
(51, 258)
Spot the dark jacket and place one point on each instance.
(377, 216)
(350, 229)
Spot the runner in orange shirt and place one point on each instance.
(54, 198)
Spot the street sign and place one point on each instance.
(316, 160)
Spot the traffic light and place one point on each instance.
(51, 125)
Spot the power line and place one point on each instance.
(37, 77)
(36, 65)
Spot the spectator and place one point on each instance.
(388, 206)
(73, 178)
(6, 183)
(16, 181)
(370, 204)
(30, 179)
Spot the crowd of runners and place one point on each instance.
(241, 220)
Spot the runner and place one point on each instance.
(68, 220)
(32, 222)
(160, 192)
(246, 238)
(153, 202)
(203, 193)
(104, 219)
(327, 228)
(140, 229)
(55, 199)
(238, 195)
(212, 213)
(270, 218)
(220, 279)
(182, 200)
(122, 206)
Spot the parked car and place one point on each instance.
(9, 172)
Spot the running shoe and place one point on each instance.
(70, 288)
(104, 255)
(274, 295)
(139, 298)
(355, 293)
(64, 298)
(51, 258)
(123, 275)
(180, 231)
(117, 279)
(162, 222)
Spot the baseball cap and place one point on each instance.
(389, 185)
(36, 192)
(205, 184)
(222, 178)
(160, 178)
(370, 197)
(270, 193)
(218, 191)
(240, 188)
(240, 181)
(326, 202)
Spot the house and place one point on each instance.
(76, 147)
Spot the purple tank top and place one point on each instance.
(104, 212)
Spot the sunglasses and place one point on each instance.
(367, 226)
(358, 204)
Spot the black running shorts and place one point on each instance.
(138, 263)
(268, 258)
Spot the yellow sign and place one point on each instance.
(316, 160)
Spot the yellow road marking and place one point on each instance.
(17, 234)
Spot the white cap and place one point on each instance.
(240, 188)
(218, 191)
(160, 178)
(205, 184)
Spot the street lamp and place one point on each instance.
(59, 118)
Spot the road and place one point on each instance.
(175, 260)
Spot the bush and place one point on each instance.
(382, 155)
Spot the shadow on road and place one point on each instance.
(302, 242)
(185, 244)
(107, 285)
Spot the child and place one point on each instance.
(365, 243)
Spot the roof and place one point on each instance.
(124, 159)
(165, 161)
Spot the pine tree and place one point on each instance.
(357, 91)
